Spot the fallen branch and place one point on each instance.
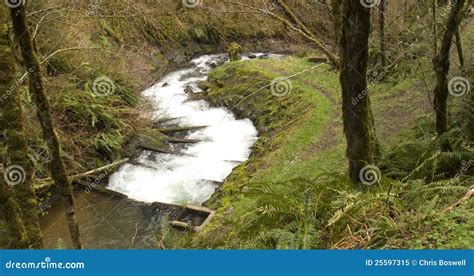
(88, 173)
(171, 130)
(466, 197)
(166, 120)
(183, 140)
(155, 149)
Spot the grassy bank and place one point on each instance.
(293, 192)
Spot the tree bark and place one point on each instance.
(441, 68)
(336, 19)
(435, 28)
(8, 204)
(18, 239)
(460, 51)
(383, 53)
(15, 139)
(357, 116)
(36, 87)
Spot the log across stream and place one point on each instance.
(109, 221)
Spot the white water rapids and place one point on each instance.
(190, 177)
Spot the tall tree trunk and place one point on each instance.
(460, 51)
(441, 68)
(357, 115)
(336, 19)
(383, 53)
(434, 28)
(36, 87)
(8, 205)
(18, 238)
(15, 139)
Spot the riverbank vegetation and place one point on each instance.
(365, 124)
(293, 192)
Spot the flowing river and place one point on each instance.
(190, 176)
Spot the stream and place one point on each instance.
(189, 176)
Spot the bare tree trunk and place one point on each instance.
(441, 68)
(306, 32)
(15, 139)
(336, 19)
(435, 28)
(460, 51)
(383, 53)
(36, 87)
(357, 116)
(295, 18)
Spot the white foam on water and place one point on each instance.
(188, 178)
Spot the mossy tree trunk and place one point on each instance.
(36, 87)
(8, 204)
(18, 238)
(357, 115)
(441, 68)
(15, 139)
